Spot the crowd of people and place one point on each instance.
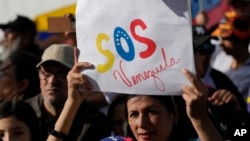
(45, 97)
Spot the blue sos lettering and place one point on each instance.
(120, 33)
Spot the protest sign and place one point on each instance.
(136, 46)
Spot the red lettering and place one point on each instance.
(122, 75)
(150, 43)
(130, 81)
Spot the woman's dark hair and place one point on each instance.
(25, 68)
(23, 112)
(167, 101)
(117, 101)
(169, 104)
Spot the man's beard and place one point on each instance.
(6, 51)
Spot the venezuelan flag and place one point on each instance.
(42, 23)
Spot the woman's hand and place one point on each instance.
(195, 96)
(196, 99)
(78, 84)
(75, 80)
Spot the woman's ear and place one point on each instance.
(23, 85)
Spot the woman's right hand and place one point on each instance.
(78, 84)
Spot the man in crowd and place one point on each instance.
(232, 57)
(19, 35)
(89, 124)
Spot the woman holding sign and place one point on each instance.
(155, 118)
(150, 118)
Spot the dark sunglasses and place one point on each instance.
(60, 76)
(205, 49)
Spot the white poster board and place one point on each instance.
(136, 46)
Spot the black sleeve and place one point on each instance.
(89, 125)
(99, 129)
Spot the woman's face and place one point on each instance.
(8, 82)
(149, 120)
(12, 129)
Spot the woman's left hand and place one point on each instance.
(195, 96)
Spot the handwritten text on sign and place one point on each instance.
(120, 33)
(134, 53)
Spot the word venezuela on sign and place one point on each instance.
(136, 46)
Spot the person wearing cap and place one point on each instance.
(225, 102)
(239, 14)
(19, 34)
(89, 124)
(233, 55)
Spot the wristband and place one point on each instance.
(57, 134)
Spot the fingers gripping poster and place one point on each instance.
(136, 46)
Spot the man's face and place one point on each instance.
(12, 40)
(202, 58)
(9, 43)
(53, 83)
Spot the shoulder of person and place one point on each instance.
(36, 103)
